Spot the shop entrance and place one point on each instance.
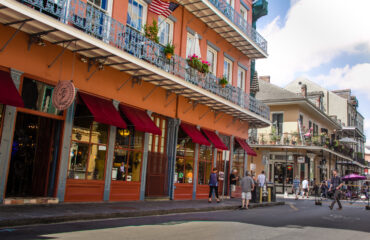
(34, 157)
(157, 169)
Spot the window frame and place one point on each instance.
(161, 21)
(192, 37)
(90, 144)
(215, 55)
(278, 131)
(206, 161)
(231, 2)
(144, 17)
(185, 159)
(129, 151)
(243, 9)
(153, 138)
(241, 81)
(230, 77)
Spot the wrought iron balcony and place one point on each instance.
(99, 25)
(239, 21)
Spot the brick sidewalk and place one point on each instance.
(15, 215)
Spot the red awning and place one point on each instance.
(140, 119)
(194, 134)
(103, 110)
(246, 147)
(9, 94)
(215, 140)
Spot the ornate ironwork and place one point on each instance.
(98, 24)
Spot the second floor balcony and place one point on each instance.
(105, 42)
(220, 16)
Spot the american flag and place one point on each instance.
(162, 8)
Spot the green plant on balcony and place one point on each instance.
(194, 62)
(223, 81)
(316, 140)
(262, 140)
(295, 138)
(205, 67)
(273, 135)
(151, 31)
(169, 50)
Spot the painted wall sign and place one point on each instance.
(63, 95)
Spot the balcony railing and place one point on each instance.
(96, 23)
(240, 22)
(294, 139)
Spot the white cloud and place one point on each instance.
(314, 33)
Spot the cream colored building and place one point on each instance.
(288, 148)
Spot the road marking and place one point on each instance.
(293, 207)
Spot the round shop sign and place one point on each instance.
(63, 95)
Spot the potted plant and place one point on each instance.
(151, 31)
(205, 67)
(194, 62)
(316, 141)
(169, 50)
(223, 82)
(262, 139)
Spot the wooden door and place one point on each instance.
(157, 169)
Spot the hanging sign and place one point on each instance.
(301, 159)
(63, 95)
(252, 167)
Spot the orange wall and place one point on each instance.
(34, 63)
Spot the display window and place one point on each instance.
(128, 155)
(238, 162)
(205, 164)
(88, 148)
(283, 172)
(185, 153)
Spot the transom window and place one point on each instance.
(212, 59)
(228, 70)
(277, 122)
(136, 14)
(165, 30)
(241, 79)
(157, 143)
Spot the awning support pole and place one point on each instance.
(59, 55)
(12, 37)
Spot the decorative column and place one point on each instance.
(64, 156)
(109, 165)
(172, 135)
(196, 160)
(311, 157)
(10, 115)
(231, 153)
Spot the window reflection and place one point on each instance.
(88, 148)
(184, 159)
(127, 155)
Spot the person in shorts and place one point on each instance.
(247, 185)
(296, 186)
(305, 187)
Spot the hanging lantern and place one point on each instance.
(126, 132)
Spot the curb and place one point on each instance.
(67, 218)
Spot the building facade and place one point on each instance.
(301, 142)
(342, 106)
(141, 125)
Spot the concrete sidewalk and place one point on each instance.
(15, 215)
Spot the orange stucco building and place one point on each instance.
(157, 145)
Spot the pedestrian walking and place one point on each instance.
(336, 184)
(261, 179)
(213, 185)
(305, 187)
(247, 185)
(233, 180)
(296, 186)
(324, 189)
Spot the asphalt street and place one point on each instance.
(296, 220)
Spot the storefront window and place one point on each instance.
(37, 96)
(128, 155)
(184, 158)
(205, 164)
(88, 147)
(238, 161)
(283, 172)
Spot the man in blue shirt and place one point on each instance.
(296, 186)
(336, 184)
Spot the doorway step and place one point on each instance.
(37, 200)
(157, 199)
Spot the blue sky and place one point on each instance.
(327, 41)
